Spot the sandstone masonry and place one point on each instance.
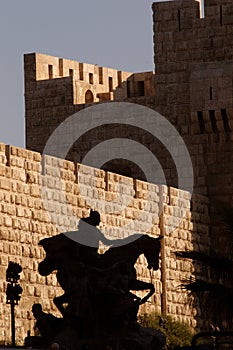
(193, 78)
(24, 221)
(192, 88)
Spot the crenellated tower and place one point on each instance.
(193, 77)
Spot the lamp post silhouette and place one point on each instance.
(13, 292)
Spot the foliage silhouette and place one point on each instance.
(177, 333)
(214, 293)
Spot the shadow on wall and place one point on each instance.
(123, 166)
(210, 287)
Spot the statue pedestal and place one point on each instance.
(127, 339)
(137, 338)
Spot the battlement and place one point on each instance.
(180, 15)
(180, 35)
(51, 67)
(91, 83)
(56, 88)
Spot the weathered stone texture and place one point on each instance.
(193, 83)
(25, 219)
(55, 88)
(193, 79)
(193, 90)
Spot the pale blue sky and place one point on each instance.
(112, 33)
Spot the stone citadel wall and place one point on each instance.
(193, 90)
(48, 102)
(24, 221)
(55, 88)
(193, 77)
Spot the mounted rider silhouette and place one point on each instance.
(89, 236)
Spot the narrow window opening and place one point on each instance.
(119, 78)
(225, 120)
(76, 171)
(110, 84)
(100, 75)
(191, 204)
(106, 181)
(90, 78)
(135, 188)
(128, 88)
(220, 14)
(28, 178)
(80, 71)
(211, 93)
(179, 24)
(60, 67)
(201, 122)
(213, 121)
(43, 165)
(141, 88)
(8, 155)
(71, 72)
(50, 70)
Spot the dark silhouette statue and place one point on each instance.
(97, 306)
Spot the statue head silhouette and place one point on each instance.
(93, 219)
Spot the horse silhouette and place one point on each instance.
(79, 276)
